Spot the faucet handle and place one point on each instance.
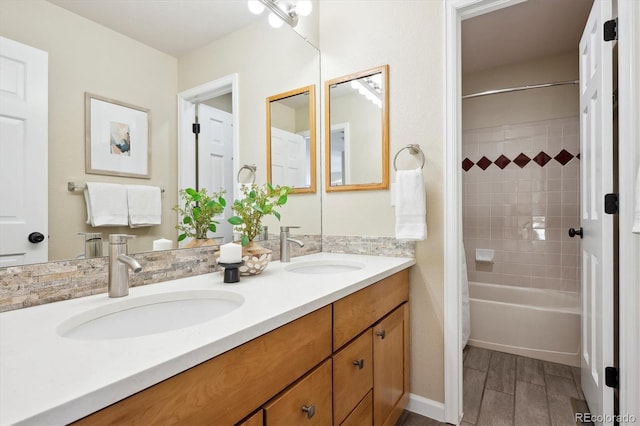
(120, 238)
(286, 228)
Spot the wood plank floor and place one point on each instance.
(511, 390)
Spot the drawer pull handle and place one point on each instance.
(310, 410)
(359, 363)
(381, 334)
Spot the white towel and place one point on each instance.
(106, 204)
(145, 205)
(411, 222)
(636, 211)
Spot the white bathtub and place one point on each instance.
(542, 324)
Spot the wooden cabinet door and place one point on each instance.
(390, 368)
(308, 402)
(352, 375)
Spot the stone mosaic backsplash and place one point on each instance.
(37, 284)
(376, 246)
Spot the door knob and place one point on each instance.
(359, 363)
(381, 334)
(573, 232)
(35, 237)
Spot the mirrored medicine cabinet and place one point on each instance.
(356, 133)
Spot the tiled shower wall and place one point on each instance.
(520, 196)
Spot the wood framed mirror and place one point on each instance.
(291, 139)
(357, 131)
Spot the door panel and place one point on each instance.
(215, 160)
(23, 153)
(596, 134)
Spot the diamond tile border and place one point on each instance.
(521, 160)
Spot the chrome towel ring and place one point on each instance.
(414, 149)
(252, 169)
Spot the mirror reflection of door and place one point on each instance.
(340, 154)
(215, 157)
(291, 139)
(358, 157)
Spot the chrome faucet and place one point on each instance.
(118, 263)
(285, 255)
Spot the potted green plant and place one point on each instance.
(249, 212)
(197, 212)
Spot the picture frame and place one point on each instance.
(117, 138)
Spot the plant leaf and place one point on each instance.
(276, 214)
(182, 237)
(282, 200)
(192, 192)
(252, 194)
(222, 202)
(235, 220)
(244, 240)
(270, 186)
(186, 220)
(259, 209)
(212, 227)
(196, 213)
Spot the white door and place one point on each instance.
(215, 160)
(24, 95)
(288, 158)
(596, 149)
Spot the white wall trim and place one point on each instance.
(455, 12)
(628, 163)
(426, 407)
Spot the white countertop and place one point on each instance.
(49, 379)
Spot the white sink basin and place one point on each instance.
(157, 313)
(323, 267)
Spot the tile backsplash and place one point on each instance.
(37, 284)
(520, 196)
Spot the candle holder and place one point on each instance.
(231, 272)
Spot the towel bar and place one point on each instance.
(72, 186)
(414, 149)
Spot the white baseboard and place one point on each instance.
(426, 407)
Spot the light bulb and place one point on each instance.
(275, 21)
(304, 7)
(255, 7)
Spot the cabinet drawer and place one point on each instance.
(358, 311)
(227, 388)
(363, 413)
(257, 419)
(308, 402)
(352, 375)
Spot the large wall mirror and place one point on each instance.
(125, 69)
(291, 139)
(357, 131)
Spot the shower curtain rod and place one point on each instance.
(517, 89)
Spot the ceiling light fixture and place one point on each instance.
(281, 11)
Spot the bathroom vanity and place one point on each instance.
(321, 340)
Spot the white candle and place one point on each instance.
(162, 244)
(230, 253)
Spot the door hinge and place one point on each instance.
(611, 30)
(196, 128)
(611, 203)
(611, 377)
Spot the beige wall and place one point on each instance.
(86, 57)
(280, 61)
(521, 106)
(409, 37)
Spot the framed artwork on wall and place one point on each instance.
(117, 138)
